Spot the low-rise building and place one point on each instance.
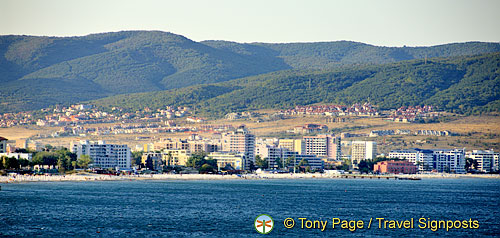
(395, 167)
(174, 157)
(152, 160)
(224, 159)
(27, 156)
(310, 128)
(438, 160)
(420, 157)
(449, 160)
(314, 162)
(487, 160)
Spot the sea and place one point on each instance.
(229, 208)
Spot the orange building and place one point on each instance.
(395, 167)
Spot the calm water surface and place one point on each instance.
(228, 208)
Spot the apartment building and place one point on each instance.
(240, 141)
(296, 145)
(104, 155)
(326, 146)
(362, 150)
(487, 160)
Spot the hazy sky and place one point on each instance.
(381, 22)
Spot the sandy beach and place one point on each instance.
(100, 177)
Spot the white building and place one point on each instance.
(439, 160)
(272, 153)
(236, 161)
(449, 160)
(422, 158)
(27, 156)
(104, 155)
(362, 150)
(240, 141)
(487, 160)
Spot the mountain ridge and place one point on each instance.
(465, 84)
(71, 69)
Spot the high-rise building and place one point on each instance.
(296, 145)
(326, 146)
(104, 155)
(241, 141)
(362, 150)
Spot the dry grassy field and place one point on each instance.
(474, 132)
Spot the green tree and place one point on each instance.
(24, 162)
(84, 161)
(301, 167)
(278, 162)
(61, 165)
(206, 168)
(137, 157)
(308, 169)
(290, 161)
(364, 166)
(197, 160)
(10, 163)
(470, 164)
(261, 163)
(46, 158)
(251, 166)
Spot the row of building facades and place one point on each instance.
(237, 150)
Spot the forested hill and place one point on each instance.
(328, 55)
(458, 84)
(37, 72)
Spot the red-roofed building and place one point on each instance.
(395, 167)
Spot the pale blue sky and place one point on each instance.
(382, 22)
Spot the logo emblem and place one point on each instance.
(263, 224)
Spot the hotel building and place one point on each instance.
(296, 145)
(326, 146)
(240, 141)
(104, 155)
(362, 150)
(439, 160)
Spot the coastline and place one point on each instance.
(100, 177)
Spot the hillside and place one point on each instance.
(37, 72)
(468, 85)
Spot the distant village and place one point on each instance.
(81, 114)
(235, 150)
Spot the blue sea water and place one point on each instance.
(228, 208)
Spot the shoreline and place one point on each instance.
(100, 177)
